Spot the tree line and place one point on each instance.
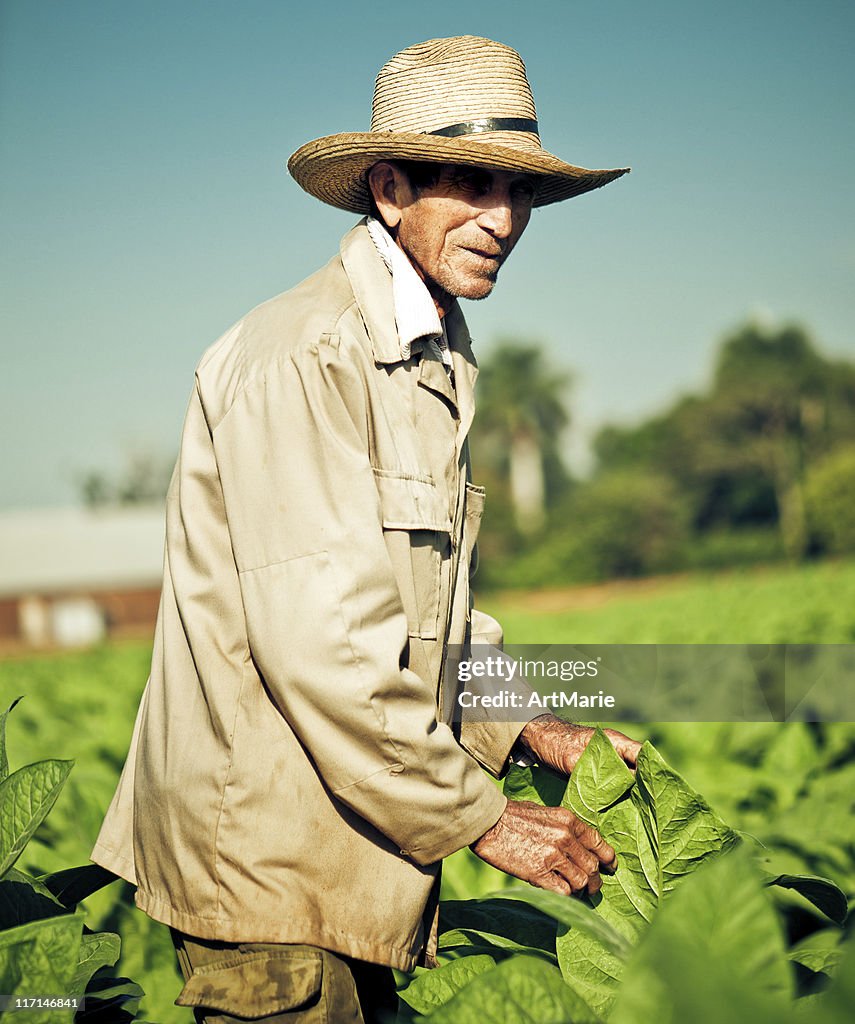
(758, 467)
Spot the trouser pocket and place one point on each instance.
(291, 984)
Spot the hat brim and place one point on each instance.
(334, 168)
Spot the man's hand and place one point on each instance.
(547, 846)
(559, 744)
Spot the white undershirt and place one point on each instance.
(415, 313)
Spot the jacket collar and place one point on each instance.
(372, 289)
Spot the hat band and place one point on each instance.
(488, 124)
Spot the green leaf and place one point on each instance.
(681, 828)
(824, 960)
(433, 988)
(148, 954)
(816, 835)
(815, 959)
(570, 911)
(490, 940)
(26, 796)
(14, 875)
(662, 831)
(73, 885)
(97, 950)
(538, 784)
(523, 990)
(512, 918)
(604, 778)
(445, 956)
(824, 894)
(110, 1000)
(788, 761)
(834, 1005)
(717, 943)
(4, 762)
(41, 958)
(20, 901)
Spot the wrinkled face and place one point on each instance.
(458, 232)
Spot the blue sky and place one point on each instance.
(145, 204)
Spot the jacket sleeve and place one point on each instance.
(488, 735)
(324, 617)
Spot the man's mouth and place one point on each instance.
(485, 254)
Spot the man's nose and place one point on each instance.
(497, 218)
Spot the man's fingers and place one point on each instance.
(629, 751)
(575, 876)
(553, 881)
(580, 855)
(595, 883)
(628, 748)
(578, 865)
(606, 854)
(591, 839)
(584, 875)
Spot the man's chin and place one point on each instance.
(478, 289)
(467, 286)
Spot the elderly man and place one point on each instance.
(295, 778)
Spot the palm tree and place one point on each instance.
(521, 412)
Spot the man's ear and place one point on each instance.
(390, 189)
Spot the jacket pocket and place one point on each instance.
(416, 528)
(475, 498)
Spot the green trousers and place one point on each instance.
(228, 983)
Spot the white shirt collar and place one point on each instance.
(415, 313)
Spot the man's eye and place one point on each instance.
(474, 184)
(524, 192)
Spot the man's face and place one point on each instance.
(458, 232)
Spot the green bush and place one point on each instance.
(621, 524)
(830, 502)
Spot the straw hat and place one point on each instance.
(464, 100)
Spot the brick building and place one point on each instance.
(74, 576)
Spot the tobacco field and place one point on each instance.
(736, 841)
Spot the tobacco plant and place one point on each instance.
(52, 967)
(685, 929)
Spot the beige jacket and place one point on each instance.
(292, 777)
